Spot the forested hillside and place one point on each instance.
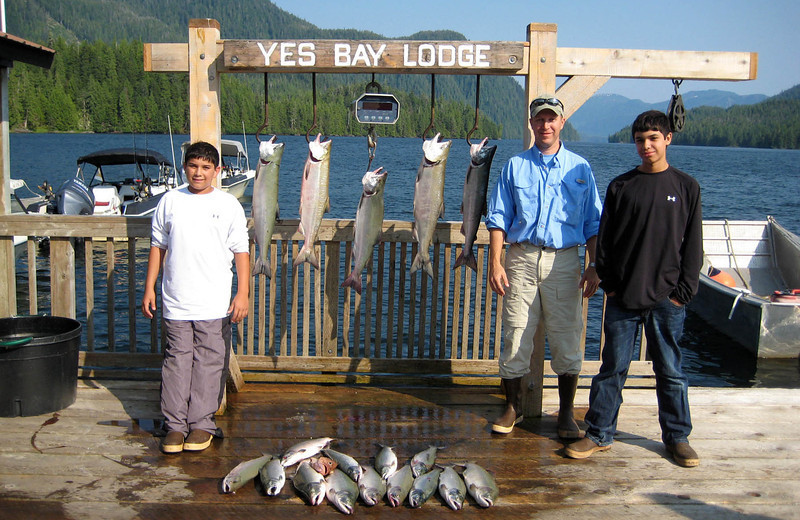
(772, 123)
(97, 82)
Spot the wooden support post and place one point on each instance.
(541, 79)
(205, 51)
(577, 90)
(62, 277)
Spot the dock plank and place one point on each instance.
(100, 458)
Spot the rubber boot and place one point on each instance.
(567, 427)
(513, 412)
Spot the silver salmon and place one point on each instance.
(423, 461)
(368, 225)
(473, 201)
(452, 488)
(314, 200)
(424, 487)
(273, 477)
(243, 473)
(304, 450)
(386, 462)
(481, 485)
(341, 491)
(429, 199)
(264, 209)
(371, 486)
(309, 483)
(345, 463)
(399, 484)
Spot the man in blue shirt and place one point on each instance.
(545, 204)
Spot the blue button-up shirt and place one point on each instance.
(553, 204)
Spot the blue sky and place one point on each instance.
(771, 28)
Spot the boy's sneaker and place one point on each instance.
(172, 442)
(683, 454)
(197, 440)
(584, 448)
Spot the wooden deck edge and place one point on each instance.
(340, 370)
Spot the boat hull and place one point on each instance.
(760, 257)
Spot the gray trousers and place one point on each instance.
(193, 373)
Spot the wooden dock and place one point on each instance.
(99, 458)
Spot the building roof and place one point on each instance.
(14, 48)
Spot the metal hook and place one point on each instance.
(372, 145)
(433, 105)
(477, 104)
(314, 101)
(266, 108)
(373, 83)
(677, 84)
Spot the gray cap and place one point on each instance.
(547, 102)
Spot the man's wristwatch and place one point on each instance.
(591, 264)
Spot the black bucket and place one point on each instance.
(38, 364)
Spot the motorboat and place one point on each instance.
(236, 174)
(750, 285)
(126, 181)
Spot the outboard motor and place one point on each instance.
(74, 198)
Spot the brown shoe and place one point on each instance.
(172, 442)
(197, 440)
(683, 454)
(584, 448)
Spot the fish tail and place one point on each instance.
(353, 281)
(467, 258)
(307, 255)
(422, 261)
(261, 267)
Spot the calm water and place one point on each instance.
(737, 184)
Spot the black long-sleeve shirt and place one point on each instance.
(650, 242)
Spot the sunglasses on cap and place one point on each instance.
(553, 102)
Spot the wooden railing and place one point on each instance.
(302, 325)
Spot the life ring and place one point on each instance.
(790, 296)
(721, 277)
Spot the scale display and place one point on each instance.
(377, 109)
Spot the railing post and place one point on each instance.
(62, 277)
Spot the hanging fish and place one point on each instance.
(429, 199)
(314, 200)
(264, 209)
(473, 202)
(368, 225)
(243, 473)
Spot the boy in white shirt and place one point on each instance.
(197, 232)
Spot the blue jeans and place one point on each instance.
(663, 326)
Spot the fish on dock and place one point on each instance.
(314, 201)
(264, 209)
(386, 462)
(341, 491)
(304, 450)
(399, 485)
(323, 465)
(368, 225)
(243, 473)
(429, 199)
(424, 487)
(371, 486)
(273, 477)
(309, 483)
(481, 485)
(345, 462)
(452, 488)
(424, 461)
(473, 202)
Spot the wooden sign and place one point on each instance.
(353, 56)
